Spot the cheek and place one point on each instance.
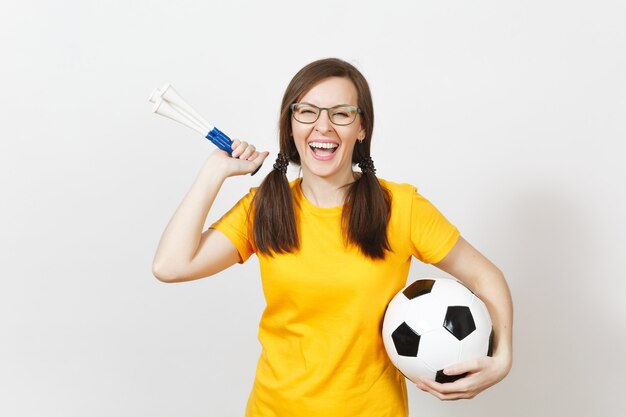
(300, 132)
(349, 136)
(298, 138)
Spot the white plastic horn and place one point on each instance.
(163, 108)
(169, 94)
(168, 103)
(156, 94)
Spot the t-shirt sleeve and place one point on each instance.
(432, 235)
(236, 224)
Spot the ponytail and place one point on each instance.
(274, 226)
(366, 213)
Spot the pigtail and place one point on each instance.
(367, 210)
(274, 227)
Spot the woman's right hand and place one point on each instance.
(244, 159)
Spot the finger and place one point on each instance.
(238, 150)
(457, 387)
(432, 385)
(443, 396)
(235, 143)
(260, 158)
(247, 152)
(421, 386)
(473, 365)
(427, 388)
(250, 165)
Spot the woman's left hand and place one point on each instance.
(482, 373)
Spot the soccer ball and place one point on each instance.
(433, 323)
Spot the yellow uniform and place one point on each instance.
(323, 353)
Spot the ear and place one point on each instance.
(361, 134)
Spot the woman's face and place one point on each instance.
(313, 140)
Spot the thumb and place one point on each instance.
(262, 155)
(258, 161)
(472, 365)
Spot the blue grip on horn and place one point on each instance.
(223, 142)
(220, 140)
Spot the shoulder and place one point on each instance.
(398, 190)
(294, 184)
(249, 196)
(255, 197)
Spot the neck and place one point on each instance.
(326, 191)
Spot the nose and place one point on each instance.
(322, 124)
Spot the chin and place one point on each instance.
(325, 171)
(322, 171)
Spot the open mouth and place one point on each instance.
(323, 149)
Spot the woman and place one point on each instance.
(334, 247)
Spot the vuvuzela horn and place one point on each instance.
(170, 104)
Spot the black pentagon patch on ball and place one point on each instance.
(419, 287)
(443, 378)
(459, 321)
(490, 349)
(405, 340)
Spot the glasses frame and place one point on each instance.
(328, 109)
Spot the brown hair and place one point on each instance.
(366, 211)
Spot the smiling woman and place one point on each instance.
(327, 105)
(334, 247)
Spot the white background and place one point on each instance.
(508, 116)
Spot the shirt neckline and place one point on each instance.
(306, 204)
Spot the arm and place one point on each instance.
(184, 252)
(481, 276)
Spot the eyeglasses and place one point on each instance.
(341, 115)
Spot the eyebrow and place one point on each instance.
(336, 105)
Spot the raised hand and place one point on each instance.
(244, 159)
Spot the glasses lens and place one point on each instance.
(342, 115)
(339, 115)
(305, 113)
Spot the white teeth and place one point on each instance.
(323, 145)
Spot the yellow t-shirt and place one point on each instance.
(322, 349)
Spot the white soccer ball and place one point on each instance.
(434, 323)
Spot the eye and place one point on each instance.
(305, 109)
(341, 114)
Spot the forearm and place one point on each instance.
(483, 372)
(181, 237)
(485, 280)
(494, 291)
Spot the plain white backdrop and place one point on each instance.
(508, 116)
